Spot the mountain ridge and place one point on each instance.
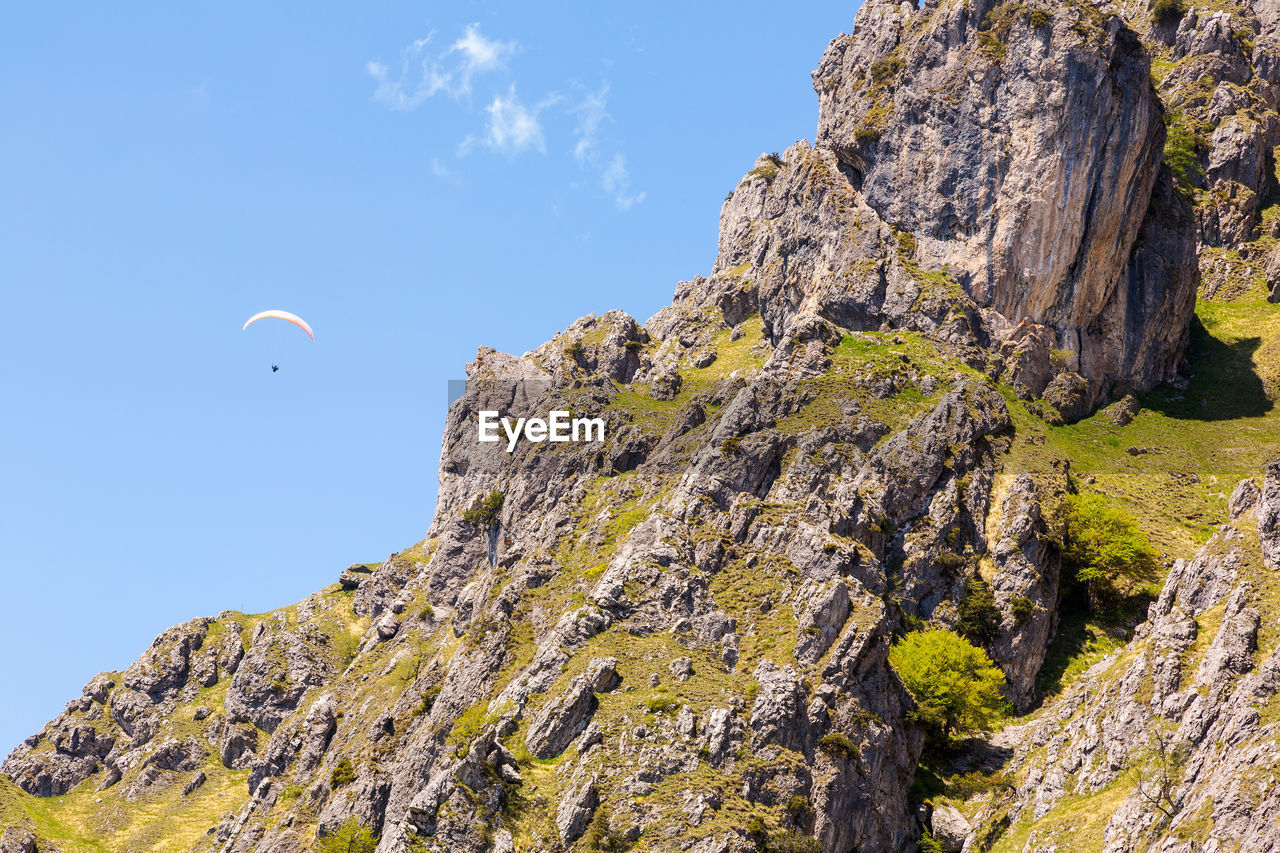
(882, 394)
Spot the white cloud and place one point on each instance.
(617, 181)
(424, 74)
(512, 126)
(444, 173)
(592, 112)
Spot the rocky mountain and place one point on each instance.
(1030, 254)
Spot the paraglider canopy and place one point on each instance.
(282, 315)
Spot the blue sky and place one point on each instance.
(415, 179)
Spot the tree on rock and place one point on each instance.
(955, 685)
(1105, 548)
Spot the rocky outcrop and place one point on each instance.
(1025, 583)
(1181, 712)
(1019, 147)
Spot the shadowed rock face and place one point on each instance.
(1021, 152)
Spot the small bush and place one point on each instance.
(601, 837)
(343, 774)
(350, 837)
(884, 70)
(979, 620)
(930, 844)
(427, 612)
(636, 346)
(730, 446)
(428, 700)
(969, 785)
(1182, 151)
(1040, 19)
(574, 351)
(484, 512)
(663, 705)
(798, 807)
(866, 135)
(1022, 608)
(950, 560)
(466, 729)
(792, 842)
(1166, 12)
(837, 744)
(756, 830)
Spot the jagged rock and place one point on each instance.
(681, 668)
(1269, 517)
(778, 714)
(17, 839)
(1244, 498)
(196, 781)
(950, 827)
(602, 674)
(1025, 585)
(1069, 394)
(561, 720)
(1123, 411)
(909, 89)
(575, 811)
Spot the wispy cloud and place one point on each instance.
(423, 73)
(616, 180)
(513, 127)
(592, 113)
(444, 173)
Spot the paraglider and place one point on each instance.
(282, 315)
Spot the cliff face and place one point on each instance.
(1020, 147)
(678, 638)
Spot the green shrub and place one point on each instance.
(426, 612)
(792, 842)
(1182, 151)
(955, 685)
(838, 745)
(950, 560)
(798, 807)
(601, 837)
(1104, 548)
(467, 728)
(979, 620)
(929, 844)
(884, 70)
(1167, 12)
(1040, 19)
(428, 700)
(636, 346)
(756, 830)
(484, 512)
(663, 705)
(343, 774)
(574, 351)
(350, 837)
(1022, 608)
